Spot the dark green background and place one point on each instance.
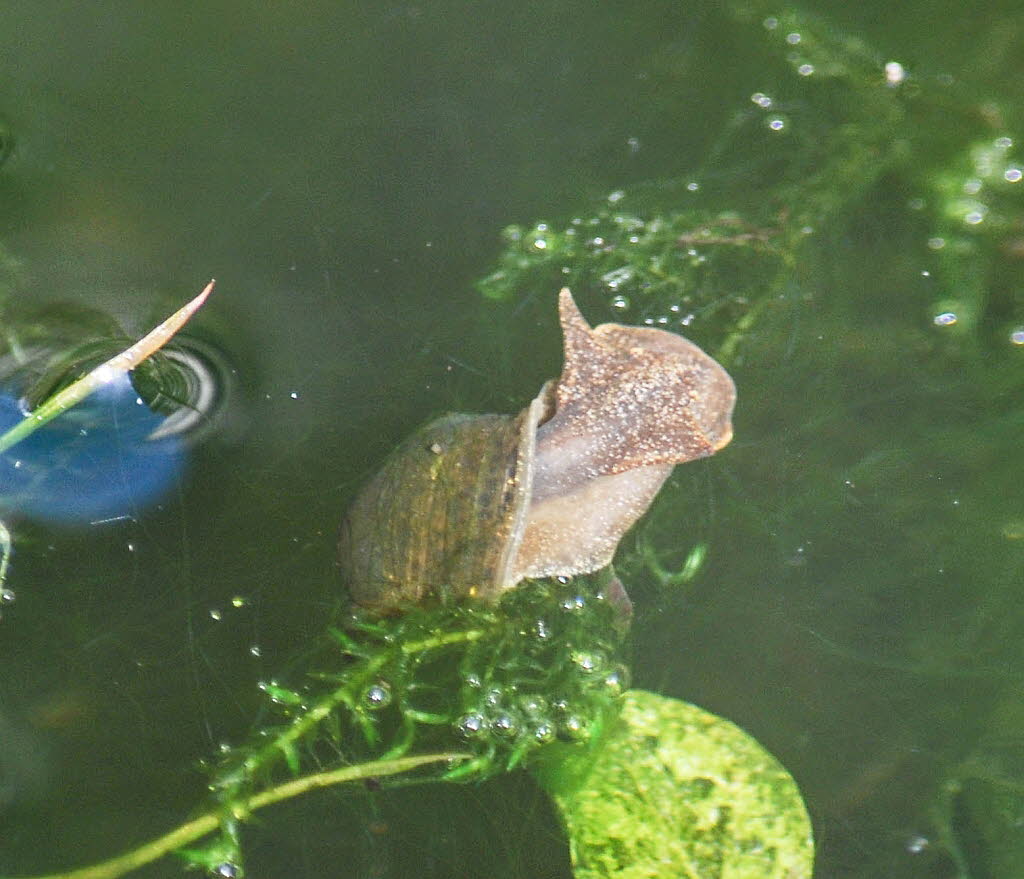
(344, 171)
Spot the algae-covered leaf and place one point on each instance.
(678, 793)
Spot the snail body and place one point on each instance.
(470, 505)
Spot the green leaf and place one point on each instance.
(674, 792)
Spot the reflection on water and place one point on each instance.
(97, 461)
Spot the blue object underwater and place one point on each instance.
(93, 462)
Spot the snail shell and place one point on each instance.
(470, 505)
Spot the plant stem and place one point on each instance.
(104, 373)
(208, 822)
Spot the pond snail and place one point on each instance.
(470, 505)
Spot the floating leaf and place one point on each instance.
(675, 792)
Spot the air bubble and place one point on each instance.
(544, 733)
(7, 596)
(692, 186)
(894, 73)
(761, 99)
(974, 218)
(1017, 336)
(470, 725)
(620, 303)
(586, 660)
(1003, 143)
(215, 615)
(540, 244)
(1012, 175)
(256, 650)
(616, 196)
(239, 601)
(776, 123)
(576, 728)
(770, 23)
(793, 39)
(936, 243)
(505, 725)
(917, 844)
(227, 870)
(972, 186)
(946, 319)
(805, 69)
(377, 696)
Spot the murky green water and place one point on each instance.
(345, 172)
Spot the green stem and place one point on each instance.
(208, 822)
(103, 374)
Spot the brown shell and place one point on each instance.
(472, 504)
(445, 512)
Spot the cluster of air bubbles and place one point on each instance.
(573, 603)
(762, 100)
